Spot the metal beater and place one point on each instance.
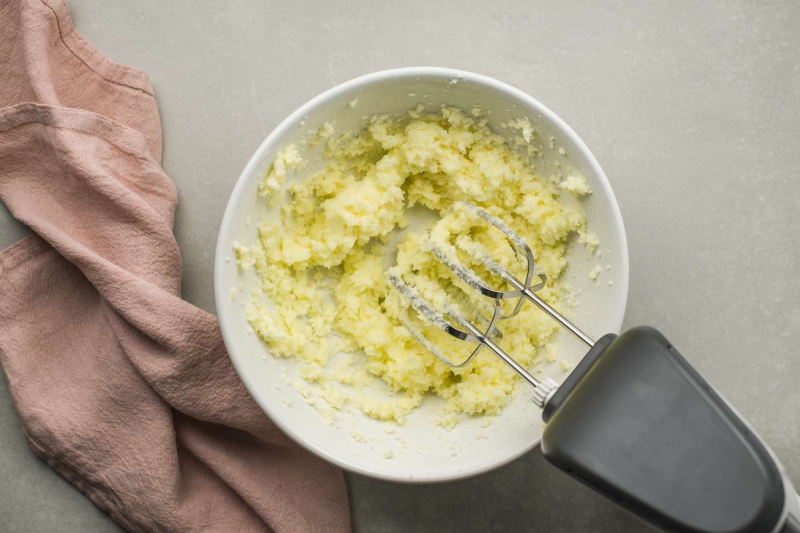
(534, 281)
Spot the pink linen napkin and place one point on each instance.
(122, 387)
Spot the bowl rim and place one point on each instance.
(226, 326)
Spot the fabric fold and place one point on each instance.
(122, 387)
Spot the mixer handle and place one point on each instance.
(637, 423)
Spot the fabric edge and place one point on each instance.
(120, 135)
(106, 68)
(102, 499)
(20, 252)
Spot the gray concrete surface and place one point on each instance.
(692, 108)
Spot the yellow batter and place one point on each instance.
(322, 259)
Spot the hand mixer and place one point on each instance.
(634, 421)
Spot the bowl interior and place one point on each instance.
(421, 450)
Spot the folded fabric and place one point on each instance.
(122, 387)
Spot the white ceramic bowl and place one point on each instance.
(422, 451)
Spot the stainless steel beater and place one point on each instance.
(520, 290)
